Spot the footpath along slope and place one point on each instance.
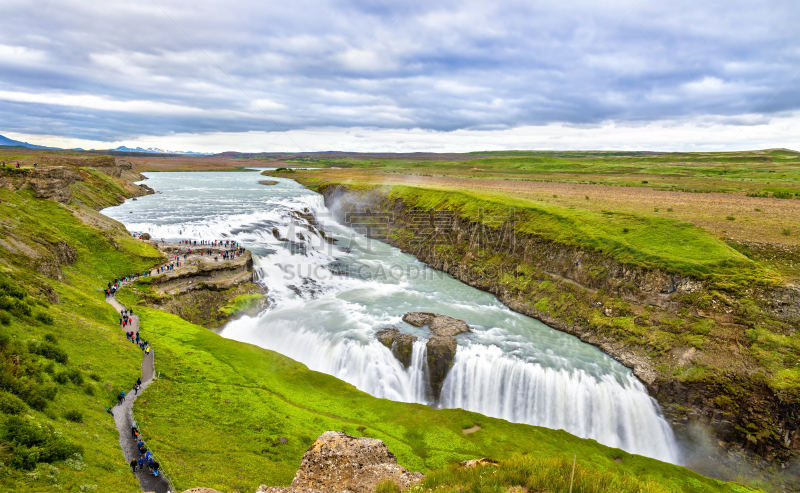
(123, 415)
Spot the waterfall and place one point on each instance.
(510, 366)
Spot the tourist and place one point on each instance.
(155, 467)
(109, 412)
(133, 465)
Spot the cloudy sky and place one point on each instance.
(400, 75)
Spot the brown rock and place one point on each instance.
(478, 462)
(441, 353)
(337, 462)
(52, 183)
(146, 236)
(418, 319)
(401, 345)
(440, 325)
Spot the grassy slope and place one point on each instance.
(220, 406)
(86, 328)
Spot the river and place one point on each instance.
(510, 366)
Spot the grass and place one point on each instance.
(241, 303)
(652, 242)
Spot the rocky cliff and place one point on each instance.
(614, 306)
(205, 289)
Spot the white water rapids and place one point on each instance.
(510, 366)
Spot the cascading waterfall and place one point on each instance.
(509, 366)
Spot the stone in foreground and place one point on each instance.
(338, 462)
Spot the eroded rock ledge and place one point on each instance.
(203, 290)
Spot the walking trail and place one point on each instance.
(123, 415)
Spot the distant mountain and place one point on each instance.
(5, 141)
(155, 150)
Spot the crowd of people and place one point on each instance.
(145, 459)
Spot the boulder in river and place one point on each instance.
(440, 325)
(339, 462)
(441, 347)
(441, 353)
(401, 345)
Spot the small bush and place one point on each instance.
(49, 351)
(61, 377)
(758, 210)
(587, 197)
(11, 404)
(51, 338)
(32, 443)
(786, 232)
(645, 182)
(669, 209)
(74, 416)
(730, 218)
(94, 376)
(655, 209)
(555, 196)
(44, 317)
(5, 317)
(88, 389)
(387, 486)
(625, 230)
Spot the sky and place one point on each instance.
(401, 75)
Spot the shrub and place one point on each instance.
(32, 444)
(51, 338)
(11, 404)
(74, 416)
(645, 182)
(89, 389)
(669, 209)
(61, 377)
(730, 218)
(786, 232)
(75, 376)
(44, 317)
(655, 209)
(49, 351)
(5, 317)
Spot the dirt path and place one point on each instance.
(123, 416)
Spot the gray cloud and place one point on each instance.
(444, 66)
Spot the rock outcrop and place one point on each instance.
(52, 183)
(441, 353)
(401, 345)
(442, 346)
(440, 325)
(338, 462)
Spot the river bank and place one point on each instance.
(616, 308)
